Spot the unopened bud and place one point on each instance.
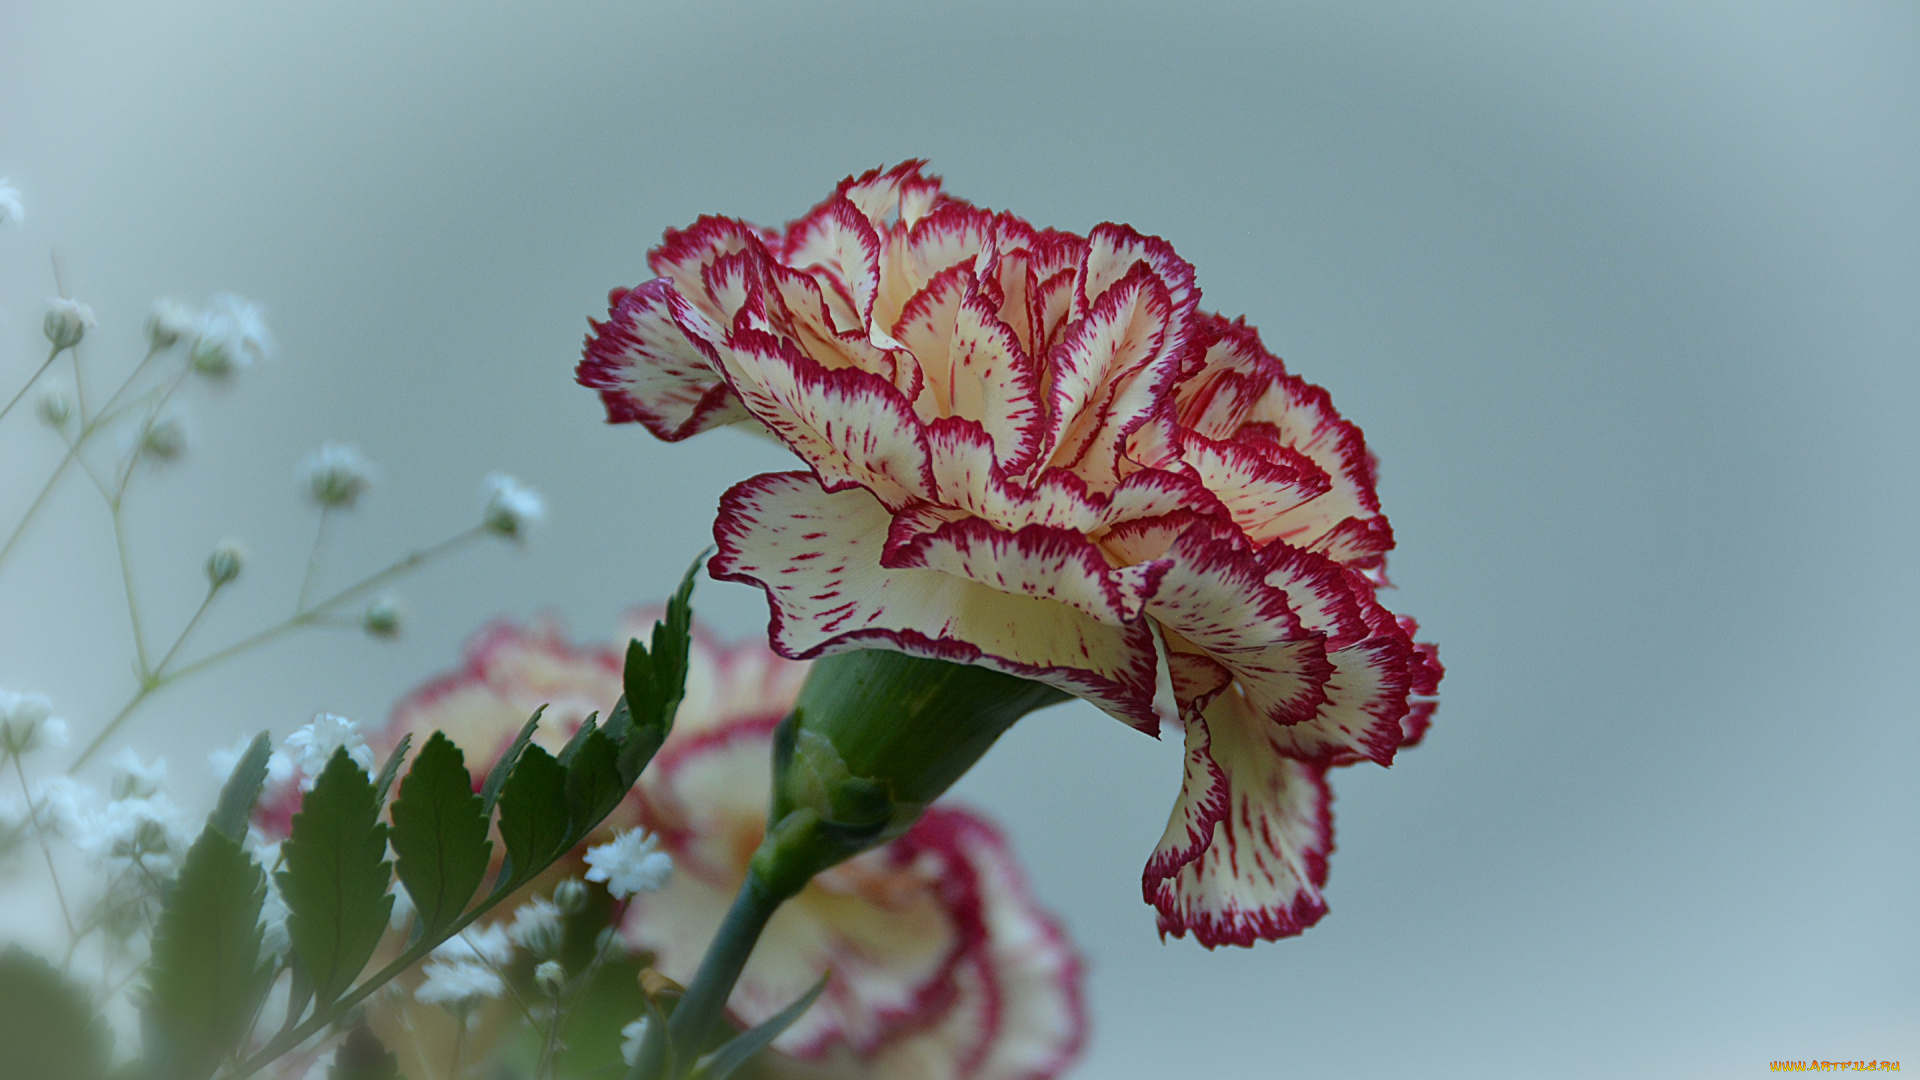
(56, 406)
(165, 439)
(225, 562)
(67, 322)
(382, 618)
(550, 978)
(571, 896)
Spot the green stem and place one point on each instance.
(40, 835)
(187, 630)
(701, 1006)
(126, 576)
(313, 559)
(41, 370)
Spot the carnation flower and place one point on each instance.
(943, 964)
(1033, 451)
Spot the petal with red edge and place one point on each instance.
(1055, 564)
(817, 555)
(1202, 803)
(1109, 373)
(837, 239)
(652, 361)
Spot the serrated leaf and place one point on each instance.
(503, 766)
(533, 814)
(336, 876)
(655, 680)
(440, 834)
(722, 1062)
(48, 1027)
(384, 782)
(594, 784)
(363, 1057)
(206, 975)
(242, 790)
(587, 727)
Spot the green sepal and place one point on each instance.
(722, 1062)
(361, 1056)
(242, 790)
(336, 877)
(440, 842)
(48, 1027)
(533, 815)
(206, 976)
(503, 766)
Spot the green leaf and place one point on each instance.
(48, 1026)
(594, 785)
(384, 782)
(586, 728)
(655, 680)
(440, 834)
(503, 767)
(336, 876)
(362, 1057)
(533, 814)
(722, 1062)
(206, 976)
(235, 808)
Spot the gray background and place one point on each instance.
(1625, 295)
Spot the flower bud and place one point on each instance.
(56, 406)
(335, 476)
(67, 322)
(225, 562)
(168, 322)
(165, 439)
(229, 336)
(382, 618)
(571, 896)
(873, 739)
(511, 507)
(550, 978)
(27, 724)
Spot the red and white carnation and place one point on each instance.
(1032, 450)
(944, 968)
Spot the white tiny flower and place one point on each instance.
(550, 977)
(224, 564)
(458, 985)
(314, 744)
(165, 439)
(168, 322)
(631, 863)
(536, 927)
(27, 724)
(66, 807)
(150, 830)
(136, 779)
(56, 405)
(335, 476)
(511, 506)
(231, 336)
(382, 618)
(222, 762)
(477, 945)
(12, 212)
(631, 1037)
(67, 322)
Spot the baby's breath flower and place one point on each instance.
(169, 321)
(67, 322)
(231, 336)
(631, 863)
(27, 724)
(511, 506)
(631, 1037)
(11, 210)
(314, 744)
(165, 439)
(570, 896)
(224, 564)
(382, 618)
(56, 405)
(335, 476)
(137, 779)
(536, 927)
(550, 977)
(477, 945)
(458, 985)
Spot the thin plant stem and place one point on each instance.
(46, 849)
(205, 602)
(313, 558)
(133, 600)
(699, 1009)
(317, 613)
(455, 1069)
(34, 378)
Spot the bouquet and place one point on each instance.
(1030, 469)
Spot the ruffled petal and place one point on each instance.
(1202, 803)
(1260, 877)
(653, 361)
(1110, 371)
(1038, 560)
(838, 241)
(817, 554)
